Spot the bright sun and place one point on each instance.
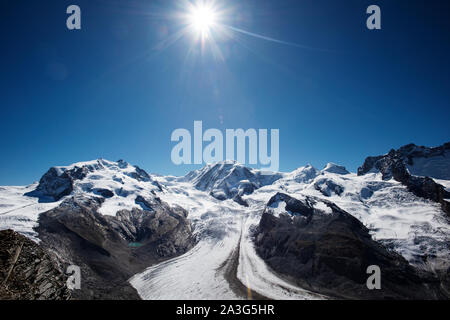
(202, 18)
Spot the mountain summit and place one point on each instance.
(228, 179)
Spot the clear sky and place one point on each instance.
(117, 88)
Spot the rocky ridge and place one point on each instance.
(394, 165)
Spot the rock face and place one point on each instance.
(55, 184)
(110, 249)
(412, 156)
(395, 165)
(321, 247)
(328, 187)
(27, 272)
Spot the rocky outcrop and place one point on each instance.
(394, 165)
(27, 272)
(409, 155)
(105, 193)
(323, 248)
(55, 184)
(110, 249)
(237, 198)
(327, 187)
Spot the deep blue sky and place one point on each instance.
(109, 91)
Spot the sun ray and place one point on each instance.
(262, 37)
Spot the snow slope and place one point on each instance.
(19, 212)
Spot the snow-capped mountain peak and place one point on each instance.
(227, 179)
(334, 168)
(304, 174)
(119, 183)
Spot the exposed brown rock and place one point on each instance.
(27, 272)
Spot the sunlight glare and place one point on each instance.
(202, 18)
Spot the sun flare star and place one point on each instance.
(202, 18)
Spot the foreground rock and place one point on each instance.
(110, 249)
(27, 272)
(322, 248)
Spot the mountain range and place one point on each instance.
(227, 231)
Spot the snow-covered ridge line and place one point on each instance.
(224, 201)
